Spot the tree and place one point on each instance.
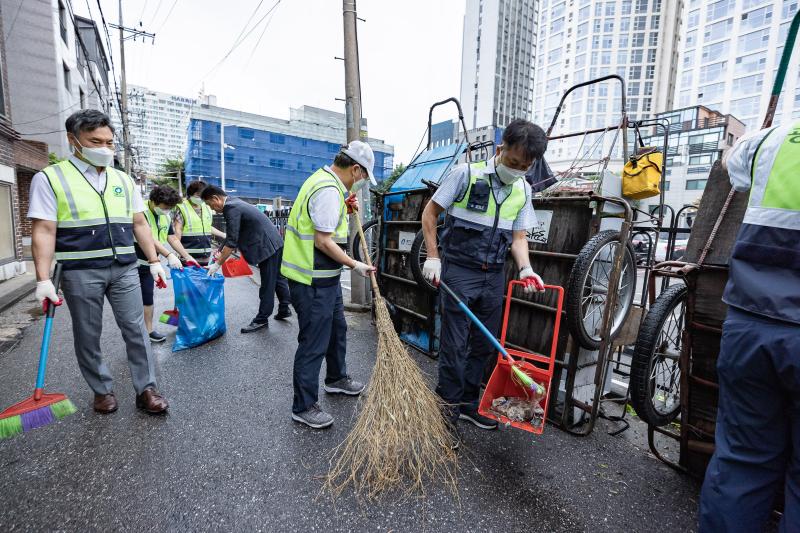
(169, 174)
(54, 158)
(386, 184)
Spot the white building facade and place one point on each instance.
(56, 66)
(158, 127)
(731, 52)
(579, 40)
(497, 61)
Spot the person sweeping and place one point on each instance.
(313, 257)
(489, 211)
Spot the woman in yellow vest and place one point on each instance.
(192, 224)
(162, 200)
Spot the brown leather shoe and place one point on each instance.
(151, 402)
(105, 404)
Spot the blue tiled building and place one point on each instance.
(265, 157)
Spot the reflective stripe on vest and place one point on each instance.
(159, 228)
(194, 224)
(482, 238)
(299, 253)
(509, 208)
(766, 256)
(93, 228)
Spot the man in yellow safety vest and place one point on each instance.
(85, 216)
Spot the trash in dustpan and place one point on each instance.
(234, 268)
(518, 392)
(170, 317)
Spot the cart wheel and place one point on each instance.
(588, 289)
(372, 233)
(418, 255)
(655, 368)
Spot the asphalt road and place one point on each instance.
(228, 457)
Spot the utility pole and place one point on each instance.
(359, 287)
(133, 33)
(180, 185)
(126, 145)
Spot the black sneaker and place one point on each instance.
(254, 326)
(283, 314)
(157, 337)
(478, 419)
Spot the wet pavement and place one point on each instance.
(228, 457)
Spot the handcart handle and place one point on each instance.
(559, 308)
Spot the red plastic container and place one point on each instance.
(234, 268)
(537, 366)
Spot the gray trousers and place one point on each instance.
(85, 292)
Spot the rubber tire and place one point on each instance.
(649, 331)
(575, 287)
(416, 265)
(355, 248)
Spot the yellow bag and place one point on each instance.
(641, 175)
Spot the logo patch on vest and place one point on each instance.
(118, 192)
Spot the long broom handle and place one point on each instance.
(475, 321)
(365, 251)
(48, 327)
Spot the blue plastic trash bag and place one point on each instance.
(200, 299)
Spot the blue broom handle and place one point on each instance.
(475, 320)
(48, 327)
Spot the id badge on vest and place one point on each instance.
(479, 196)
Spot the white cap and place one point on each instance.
(361, 153)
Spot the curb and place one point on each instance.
(357, 308)
(17, 294)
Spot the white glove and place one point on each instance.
(212, 268)
(362, 269)
(533, 283)
(45, 290)
(174, 262)
(432, 270)
(157, 271)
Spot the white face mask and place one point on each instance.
(508, 175)
(357, 186)
(196, 200)
(161, 212)
(99, 157)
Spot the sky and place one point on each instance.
(410, 55)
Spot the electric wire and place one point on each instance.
(13, 22)
(167, 17)
(240, 40)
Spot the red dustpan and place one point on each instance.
(234, 268)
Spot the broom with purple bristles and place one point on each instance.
(42, 408)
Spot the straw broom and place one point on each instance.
(400, 440)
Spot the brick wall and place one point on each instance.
(23, 192)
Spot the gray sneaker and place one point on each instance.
(314, 417)
(346, 385)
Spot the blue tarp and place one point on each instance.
(431, 165)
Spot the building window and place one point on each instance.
(229, 157)
(246, 133)
(718, 30)
(756, 19)
(275, 138)
(719, 9)
(277, 163)
(251, 159)
(299, 165)
(695, 185)
(748, 84)
(753, 41)
(751, 63)
(715, 51)
(333, 148)
(694, 19)
(67, 81)
(62, 20)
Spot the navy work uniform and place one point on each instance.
(758, 418)
(314, 285)
(482, 214)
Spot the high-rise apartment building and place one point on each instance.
(158, 123)
(579, 40)
(730, 54)
(497, 61)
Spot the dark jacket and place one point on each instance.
(249, 230)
